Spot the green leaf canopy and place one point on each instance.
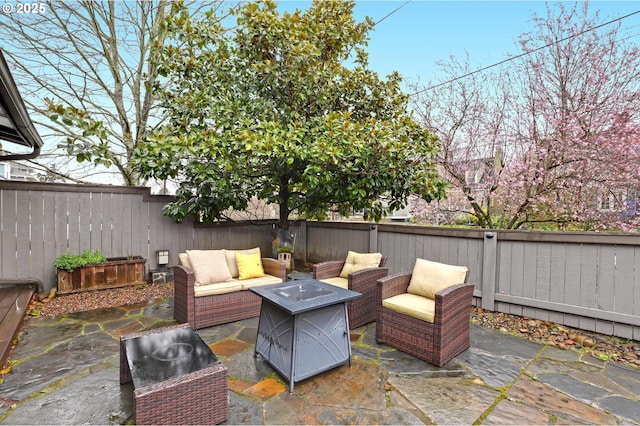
(283, 108)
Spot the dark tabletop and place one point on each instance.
(157, 357)
(304, 295)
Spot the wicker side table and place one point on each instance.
(176, 377)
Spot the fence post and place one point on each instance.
(373, 238)
(489, 258)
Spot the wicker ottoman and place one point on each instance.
(176, 377)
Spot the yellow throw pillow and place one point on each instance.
(231, 259)
(249, 265)
(428, 277)
(357, 261)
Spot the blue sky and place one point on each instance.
(423, 32)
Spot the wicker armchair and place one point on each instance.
(436, 342)
(362, 310)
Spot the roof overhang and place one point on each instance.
(15, 124)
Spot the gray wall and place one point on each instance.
(584, 280)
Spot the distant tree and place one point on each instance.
(570, 132)
(285, 110)
(469, 117)
(85, 70)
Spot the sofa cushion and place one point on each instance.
(249, 265)
(337, 281)
(266, 279)
(429, 277)
(217, 288)
(413, 305)
(357, 261)
(184, 260)
(231, 259)
(209, 266)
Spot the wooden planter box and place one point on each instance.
(116, 272)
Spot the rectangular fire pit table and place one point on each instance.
(303, 328)
(177, 379)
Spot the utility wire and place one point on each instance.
(522, 54)
(392, 12)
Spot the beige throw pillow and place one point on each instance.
(357, 261)
(430, 277)
(209, 266)
(231, 259)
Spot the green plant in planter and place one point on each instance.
(284, 249)
(70, 262)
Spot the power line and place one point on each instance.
(392, 12)
(523, 54)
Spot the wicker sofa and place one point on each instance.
(361, 311)
(212, 303)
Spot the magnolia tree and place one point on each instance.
(564, 149)
(283, 109)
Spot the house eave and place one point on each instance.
(15, 124)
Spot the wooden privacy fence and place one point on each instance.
(585, 280)
(41, 221)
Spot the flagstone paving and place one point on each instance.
(65, 370)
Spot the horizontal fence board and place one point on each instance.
(570, 309)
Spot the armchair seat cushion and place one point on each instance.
(413, 305)
(338, 282)
(430, 277)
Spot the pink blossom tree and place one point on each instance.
(559, 128)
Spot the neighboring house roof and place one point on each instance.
(15, 124)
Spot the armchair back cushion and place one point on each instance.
(430, 277)
(209, 266)
(357, 261)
